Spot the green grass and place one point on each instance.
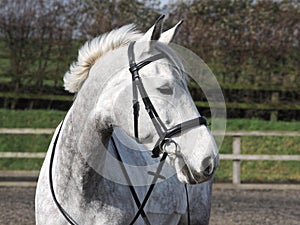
(252, 171)
(262, 171)
(30, 118)
(26, 142)
(261, 125)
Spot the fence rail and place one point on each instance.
(26, 131)
(235, 157)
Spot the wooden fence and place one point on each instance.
(236, 155)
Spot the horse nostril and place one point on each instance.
(208, 171)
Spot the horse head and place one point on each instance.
(175, 126)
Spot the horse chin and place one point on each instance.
(185, 176)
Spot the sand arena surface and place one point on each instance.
(229, 206)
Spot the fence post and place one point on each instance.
(236, 167)
(274, 100)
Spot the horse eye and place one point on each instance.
(165, 89)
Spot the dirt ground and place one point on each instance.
(229, 206)
(255, 207)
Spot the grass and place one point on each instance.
(26, 142)
(30, 118)
(252, 171)
(261, 125)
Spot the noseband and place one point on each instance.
(165, 134)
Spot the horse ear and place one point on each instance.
(168, 36)
(153, 34)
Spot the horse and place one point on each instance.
(98, 168)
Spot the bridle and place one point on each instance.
(165, 134)
(165, 138)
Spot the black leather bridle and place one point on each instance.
(165, 138)
(165, 134)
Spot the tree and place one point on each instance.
(245, 42)
(98, 17)
(36, 36)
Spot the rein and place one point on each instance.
(131, 187)
(140, 206)
(59, 206)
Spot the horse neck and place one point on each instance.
(67, 158)
(82, 143)
(85, 140)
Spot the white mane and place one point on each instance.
(93, 50)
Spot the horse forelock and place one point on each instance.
(93, 50)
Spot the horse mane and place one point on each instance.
(93, 50)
